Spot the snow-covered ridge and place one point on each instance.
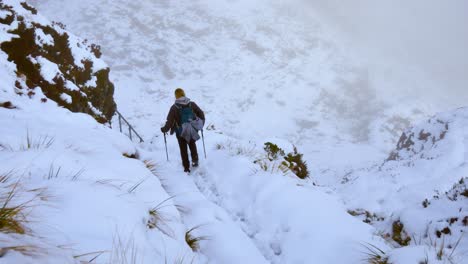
(421, 189)
(66, 68)
(425, 140)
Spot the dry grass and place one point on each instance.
(13, 210)
(42, 142)
(158, 219)
(123, 251)
(12, 217)
(130, 155)
(133, 188)
(151, 165)
(374, 255)
(182, 260)
(194, 241)
(91, 255)
(27, 250)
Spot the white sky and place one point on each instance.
(430, 34)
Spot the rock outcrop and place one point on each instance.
(67, 69)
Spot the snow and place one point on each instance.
(48, 69)
(289, 84)
(81, 54)
(67, 98)
(89, 200)
(91, 82)
(43, 39)
(71, 86)
(4, 14)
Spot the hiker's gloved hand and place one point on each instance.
(163, 130)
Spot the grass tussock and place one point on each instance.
(13, 208)
(12, 217)
(374, 255)
(41, 142)
(158, 219)
(192, 240)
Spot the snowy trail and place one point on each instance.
(252, 216)
(225, 243)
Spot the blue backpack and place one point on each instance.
(186, 115)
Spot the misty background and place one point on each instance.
(304, 70)
(430, 35)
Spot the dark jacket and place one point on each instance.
(173, 117)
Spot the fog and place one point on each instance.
(429, 35)
(359, 69)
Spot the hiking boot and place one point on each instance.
(187, 170)
(195, 163)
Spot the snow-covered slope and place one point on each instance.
(87, 193)
(66, 68)
(257, 66)
(78, 196)
(261, 75)
(422, 185)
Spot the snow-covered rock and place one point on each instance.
(420, 190)
(66, 68)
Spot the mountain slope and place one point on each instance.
(87, 193)
(260, 77)
(246, 66)
(421, 186)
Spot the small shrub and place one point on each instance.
(7, 105)
(366, 216)
(291, 162)
(295, 163)
(445, 231)
(426, 203)
(273, 151)
(399, 234)
(194, 241)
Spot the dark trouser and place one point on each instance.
(183, 151)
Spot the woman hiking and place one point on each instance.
(184, 119)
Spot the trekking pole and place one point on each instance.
(203, 139)
(165, 143)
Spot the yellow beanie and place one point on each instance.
(179, 92)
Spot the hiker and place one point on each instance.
(185, 118)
